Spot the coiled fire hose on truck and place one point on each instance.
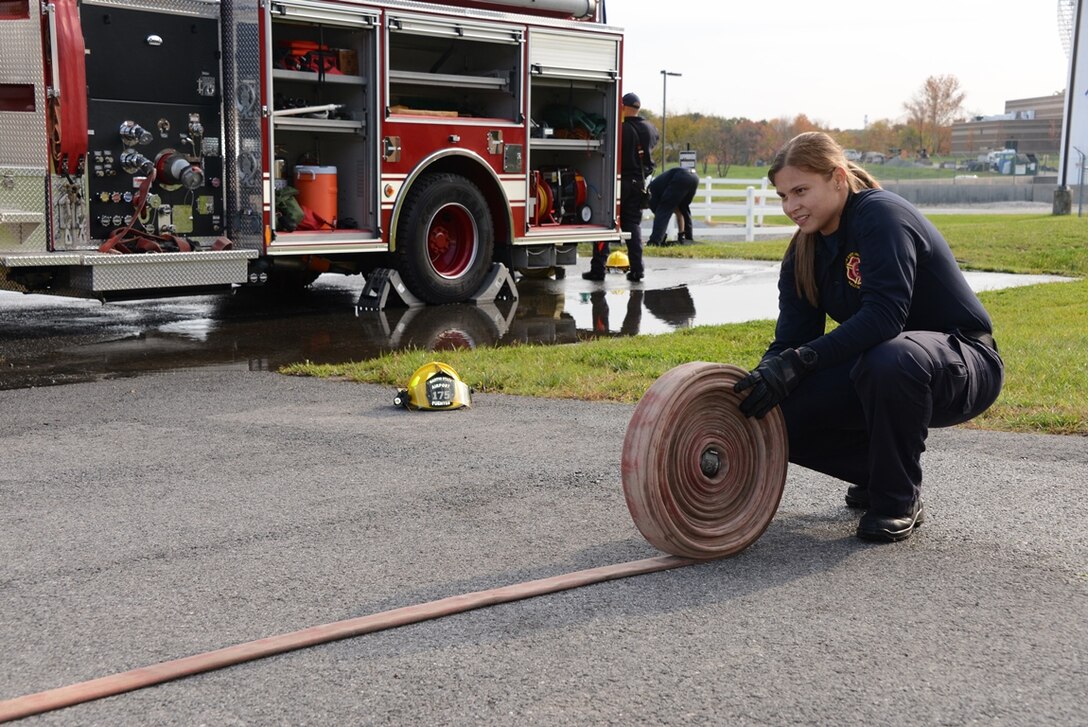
(701, 481)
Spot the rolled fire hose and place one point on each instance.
(701, 481)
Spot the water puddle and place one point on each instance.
(46, 340)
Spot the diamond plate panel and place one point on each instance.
(102, 273)
(242, 85)
(22, 133)
(23, 221)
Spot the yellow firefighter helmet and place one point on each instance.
(433, 387)
(618, 260)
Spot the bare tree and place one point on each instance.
(933, 108)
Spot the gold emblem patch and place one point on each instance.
(853, 269)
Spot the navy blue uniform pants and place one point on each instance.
(631, 222)
(866, 420)
(677, 195)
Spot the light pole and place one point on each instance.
(664, 94)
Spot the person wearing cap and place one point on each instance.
(637, 142)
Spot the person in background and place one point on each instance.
(638, 139)
(913, 348)
(671, 192)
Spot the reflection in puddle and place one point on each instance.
(672, 307)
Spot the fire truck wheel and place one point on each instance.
(445, 239)
(448, 328)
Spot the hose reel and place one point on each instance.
(701, 480)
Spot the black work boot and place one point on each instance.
(857, 496)
(891, 528)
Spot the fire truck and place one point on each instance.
(170, 147)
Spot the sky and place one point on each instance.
(842, 63)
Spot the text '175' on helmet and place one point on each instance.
(434, 386)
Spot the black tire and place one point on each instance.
(445, 239)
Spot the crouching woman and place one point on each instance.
(913, 348)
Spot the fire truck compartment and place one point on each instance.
(573, 117)
(323, 114)
(460, 71)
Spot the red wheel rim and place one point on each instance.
(453, 339)
(452, 241)
(702, 480)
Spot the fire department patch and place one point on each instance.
(853, 269)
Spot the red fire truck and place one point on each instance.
(167, 147)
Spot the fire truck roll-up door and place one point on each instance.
(574, 117)
(321, 92)
(554, 8)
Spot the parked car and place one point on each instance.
(873, 157)
(852, 155)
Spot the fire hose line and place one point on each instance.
(701, 482)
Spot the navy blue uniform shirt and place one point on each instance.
(884, 271)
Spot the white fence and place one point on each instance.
(751, 199)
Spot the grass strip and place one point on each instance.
(1042, 331)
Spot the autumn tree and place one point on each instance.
(878, 136)
(932, 109)
(776, 132)
(745, 141)
(681, 129)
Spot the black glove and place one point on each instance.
(773, 380)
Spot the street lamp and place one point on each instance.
(664, 93)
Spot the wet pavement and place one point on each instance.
(46, 340)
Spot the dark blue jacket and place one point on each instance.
(885, 270)
(637, 132)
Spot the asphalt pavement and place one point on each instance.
(155, 517)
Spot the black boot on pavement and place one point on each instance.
(857, 496)
(590, 275)
(891, 528)
(635, 277)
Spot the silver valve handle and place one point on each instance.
(134, 162)
(133, 134)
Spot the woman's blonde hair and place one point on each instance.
(815, 151)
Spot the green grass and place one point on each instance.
(1042, 331)
(1018, 243)
(613, 369)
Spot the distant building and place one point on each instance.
(1029, 125)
